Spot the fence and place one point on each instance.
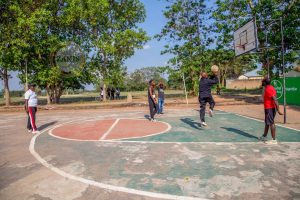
(243, 84)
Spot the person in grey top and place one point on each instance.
(161, 98)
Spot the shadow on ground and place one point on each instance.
(191, 123)
(44, 126)
(240, 132)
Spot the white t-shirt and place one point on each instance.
(32, 98)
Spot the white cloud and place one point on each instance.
(147, 46)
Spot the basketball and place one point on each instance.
(214, 68)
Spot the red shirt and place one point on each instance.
(270, 92)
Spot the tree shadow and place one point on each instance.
(240, 132)
(192, 123)
(44, 126)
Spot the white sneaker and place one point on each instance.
(153, 120)
(203, 124)
(262, 138)
(29, 130)
(35, 132)
(210, 112)
(271, 142)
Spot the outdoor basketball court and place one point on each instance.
(173, 158)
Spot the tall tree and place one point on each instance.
(114, 37)
(187, 29)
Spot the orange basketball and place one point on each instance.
(214, 68)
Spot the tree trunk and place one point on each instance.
(104, 92)
(48, 95)
(6, 87)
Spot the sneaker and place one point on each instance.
(271, 142)
(153, 120)
(29, 130)
(35, 132)
(210, 112)
(203, 124)
(262, 138)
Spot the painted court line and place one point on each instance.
(259, 120)
(99, 184)
(109, 130)
(112, 140)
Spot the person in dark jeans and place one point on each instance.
(112, 92)
(161, 98)
(205, 96)
(152, 100)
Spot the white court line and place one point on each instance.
(259, 120)
(99, 184)
(109, 130)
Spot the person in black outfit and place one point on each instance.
(152, 100)
(112, 91)
(205, 96)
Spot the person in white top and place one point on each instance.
(31, 103)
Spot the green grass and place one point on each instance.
(89, 97)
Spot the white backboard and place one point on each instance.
(245, 38)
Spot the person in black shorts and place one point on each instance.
(152, 100)
(205, 96)
(271, 107)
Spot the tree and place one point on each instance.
(188, 31)
(113, 37)
(139, 79)
(232, 14)
(11, 43)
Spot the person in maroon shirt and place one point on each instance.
(271, 107)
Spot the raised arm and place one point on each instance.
(213, 80)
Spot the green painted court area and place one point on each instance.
(224, 160)
(222, 127)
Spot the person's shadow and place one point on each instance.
(44, 126)
(192, 123)
(240, 132)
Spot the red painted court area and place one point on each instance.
(111, 129)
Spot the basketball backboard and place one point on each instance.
(245, 38)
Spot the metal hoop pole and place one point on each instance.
(283, 69)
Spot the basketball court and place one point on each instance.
(173, 158)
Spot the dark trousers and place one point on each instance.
(153, 108)
(31, 118)
(203, 101)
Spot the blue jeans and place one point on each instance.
(161, 103)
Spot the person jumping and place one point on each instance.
(205, 96)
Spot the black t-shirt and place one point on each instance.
(205, 85)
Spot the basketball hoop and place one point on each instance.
(245, 38)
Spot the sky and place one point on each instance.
(150, 55)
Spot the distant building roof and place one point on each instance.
(253, 73)
(292, 73)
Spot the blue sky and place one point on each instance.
(150, 55)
